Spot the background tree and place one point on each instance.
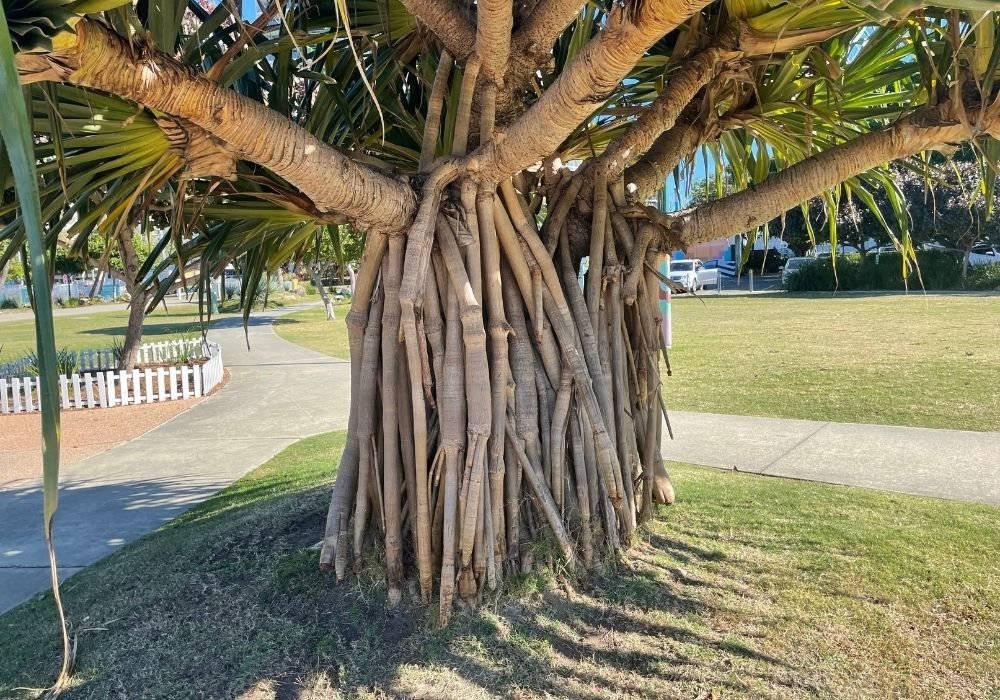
(4, 266)
(493, 403)
(951, 208)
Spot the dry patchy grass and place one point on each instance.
(750, 587)
(927, 361)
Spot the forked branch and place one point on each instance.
(103, 60)
(583, 86)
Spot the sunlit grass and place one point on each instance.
(98, 330)
(309, 328)
(929, 361)
(749, 587)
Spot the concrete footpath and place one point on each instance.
(278, 394)
(956, 464)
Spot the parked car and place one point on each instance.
(693, 275)
(791, 265)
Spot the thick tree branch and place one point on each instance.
(532, 44)
(647, 175)
(448, 22)
(203, 154)
(544, 25)
(584, 85)
(103, 60)
(927, 130)
(663, 114)
(493, 28)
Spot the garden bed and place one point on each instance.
(83, 434)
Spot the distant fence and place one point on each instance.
(199, 371)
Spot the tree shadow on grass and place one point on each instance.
(150, 331)
(158, 326)
(228, 601)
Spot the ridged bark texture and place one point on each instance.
(524, 430)
(103, 60)
(584, 85)
(746, 210)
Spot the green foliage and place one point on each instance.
(97, 245)
(118, 349)
(34, 23)
(983, 277)
(230, 289)
(935, 270)
(950, 208)
(66, 363)
(945, 201)
(16, 134)
(67, 264)
(761, 261)
(15, 273)
(188, 349)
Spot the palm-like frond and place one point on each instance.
(861, 65)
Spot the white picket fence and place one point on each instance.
(106, 388)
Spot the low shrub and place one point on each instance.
(770, 263)
(66, 363)
(118, 349)
(231, 288)
(10, 303)
(984, 277)
(935, 270)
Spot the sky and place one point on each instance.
(250, 10)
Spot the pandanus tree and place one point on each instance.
(485, 150)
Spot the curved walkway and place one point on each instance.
(278, 394)
(956, 464)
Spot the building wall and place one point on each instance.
(712, 250)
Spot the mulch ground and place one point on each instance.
(85, 433)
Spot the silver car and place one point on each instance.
(791, 265)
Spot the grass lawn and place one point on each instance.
(97, 330)
(83, 331)
(309, 328)
(922, 361)
(929, 361)
(749, 587)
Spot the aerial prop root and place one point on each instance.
(495, 405)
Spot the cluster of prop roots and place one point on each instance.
(495, 400)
